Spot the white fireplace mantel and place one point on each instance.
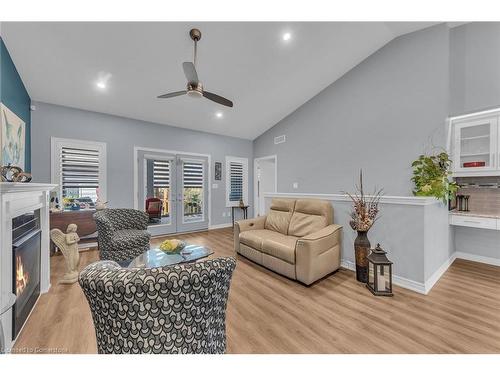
(17, 199)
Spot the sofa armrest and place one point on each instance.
(251, 224)
(318, 254)
(245, 225)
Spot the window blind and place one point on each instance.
(161, 174)
(79, 168)
(193, 175)
(236, 181)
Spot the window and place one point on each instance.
(236, 180)
(79, 168)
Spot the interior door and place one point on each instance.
(192, 193)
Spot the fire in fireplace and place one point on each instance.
(26, 245)
(22, 276)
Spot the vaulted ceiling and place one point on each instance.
(265, 76)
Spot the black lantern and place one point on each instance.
(379, 273)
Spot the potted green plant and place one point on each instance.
(431, 176)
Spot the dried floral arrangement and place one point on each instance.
(365, 209)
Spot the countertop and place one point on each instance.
(486, 214)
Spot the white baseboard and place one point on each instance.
(397, 280)
(220, 226)
(431, 281)
(425, 288)
(477, 258)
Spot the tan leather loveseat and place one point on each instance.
(296, 239)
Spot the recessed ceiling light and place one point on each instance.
(287, 36)
(102, 80)
(219, 114)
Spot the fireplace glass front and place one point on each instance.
(26, 244)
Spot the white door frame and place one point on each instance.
(159, 150)
(255, 181)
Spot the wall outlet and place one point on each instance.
(295, 185)
(224, 214)
(215, 186)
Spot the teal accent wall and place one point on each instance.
(13, 94)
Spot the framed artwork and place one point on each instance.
(218, 171)
(12, 138)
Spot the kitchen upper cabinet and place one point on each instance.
(475, 144)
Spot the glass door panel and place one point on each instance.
(161, 189)
(157, 195)
(192, 198)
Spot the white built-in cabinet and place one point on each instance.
(475, 138)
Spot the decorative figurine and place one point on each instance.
(68, 244)
(54, 203)
(12, 173)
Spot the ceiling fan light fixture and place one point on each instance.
(194, 87)
(195, 91)
(194, 94)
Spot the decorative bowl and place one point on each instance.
(172, 246)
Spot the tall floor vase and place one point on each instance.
(361, 251)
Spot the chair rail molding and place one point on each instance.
(414, 231)
(387, 199)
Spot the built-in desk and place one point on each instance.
(475, 219)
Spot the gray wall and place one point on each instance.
(379, 116)
(121, 135)
(475, 67)
(475, 85)
(482, 242)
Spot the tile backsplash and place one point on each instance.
(484, 193)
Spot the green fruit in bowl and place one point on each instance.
(172, 246)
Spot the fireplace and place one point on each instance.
(26, 245)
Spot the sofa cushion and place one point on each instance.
(254, 238)
(280, 213)
(310, 215)
(280, 246)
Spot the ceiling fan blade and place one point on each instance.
(190, 72)
(172, 94)
(218, 99)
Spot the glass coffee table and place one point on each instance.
(158, 258)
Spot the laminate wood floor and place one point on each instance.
(268, 313)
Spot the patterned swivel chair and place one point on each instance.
(122, 233)
(176, 309)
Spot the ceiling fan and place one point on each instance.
(194, 86)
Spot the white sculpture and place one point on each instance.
(68, 244)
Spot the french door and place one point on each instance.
(179, 183)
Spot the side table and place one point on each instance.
(243, 208)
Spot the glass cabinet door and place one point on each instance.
(476, 144)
